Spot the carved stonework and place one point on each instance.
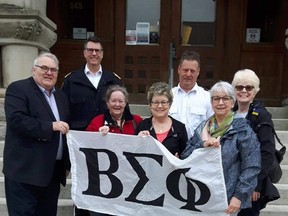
(28, 31)
(9, 7)
(28, 25)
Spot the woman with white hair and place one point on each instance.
(246, 84)
(239, 147)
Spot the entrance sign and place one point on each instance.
(136, 176)
(253, 35)
(143, 32)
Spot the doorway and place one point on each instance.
(141, 64)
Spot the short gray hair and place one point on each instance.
(160, 88)
(223, 86)
(247, 75)
(49, 55)
(114, 88)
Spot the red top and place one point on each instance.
(128, 127)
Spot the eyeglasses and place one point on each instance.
(217, 99)
(45, 69)
(91, 51)
(157, 103)
(241, 87)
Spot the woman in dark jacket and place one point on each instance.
(246, 84)
(167, 130)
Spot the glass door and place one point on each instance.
(152, 34)
(199, 27)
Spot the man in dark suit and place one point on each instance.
(36, 157)
(86, 88)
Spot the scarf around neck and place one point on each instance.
(215, 130)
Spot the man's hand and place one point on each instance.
(61, 126)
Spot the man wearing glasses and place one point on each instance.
(86, 88)
(36, 157)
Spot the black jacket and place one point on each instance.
(256, 115)
(85, 100)
(30, 143)
(176, 138)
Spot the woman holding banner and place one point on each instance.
(116, 119)
(240, 148)
(167, 130)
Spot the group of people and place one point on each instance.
(183, 118)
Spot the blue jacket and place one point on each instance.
(241, 158)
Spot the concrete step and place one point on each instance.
(283, 191)
(280, 124)
(140, 109)
(284, 179)
(278, 112)
(275, 210)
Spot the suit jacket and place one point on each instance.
(85, 100)
(31, 144)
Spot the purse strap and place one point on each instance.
(267, 123)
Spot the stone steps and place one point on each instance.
(65, 205)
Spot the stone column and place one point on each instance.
(24, 32)
(16, 63)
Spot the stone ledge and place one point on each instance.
(2, 94)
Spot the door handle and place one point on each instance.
(286, 40)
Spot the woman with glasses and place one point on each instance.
(239, 147)
(167, 130)
(246, 84)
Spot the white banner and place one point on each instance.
(137, 176)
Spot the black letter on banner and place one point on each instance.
(94, 173)
(143, 179)
(173, 188)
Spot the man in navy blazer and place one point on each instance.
(86, 87)
(36, 157)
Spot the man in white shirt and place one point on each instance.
(191, 103)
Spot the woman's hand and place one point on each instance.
(104, 129)
(177, 155)
(212, 142)
(144, 133)
(255, 196)
(234, 206)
